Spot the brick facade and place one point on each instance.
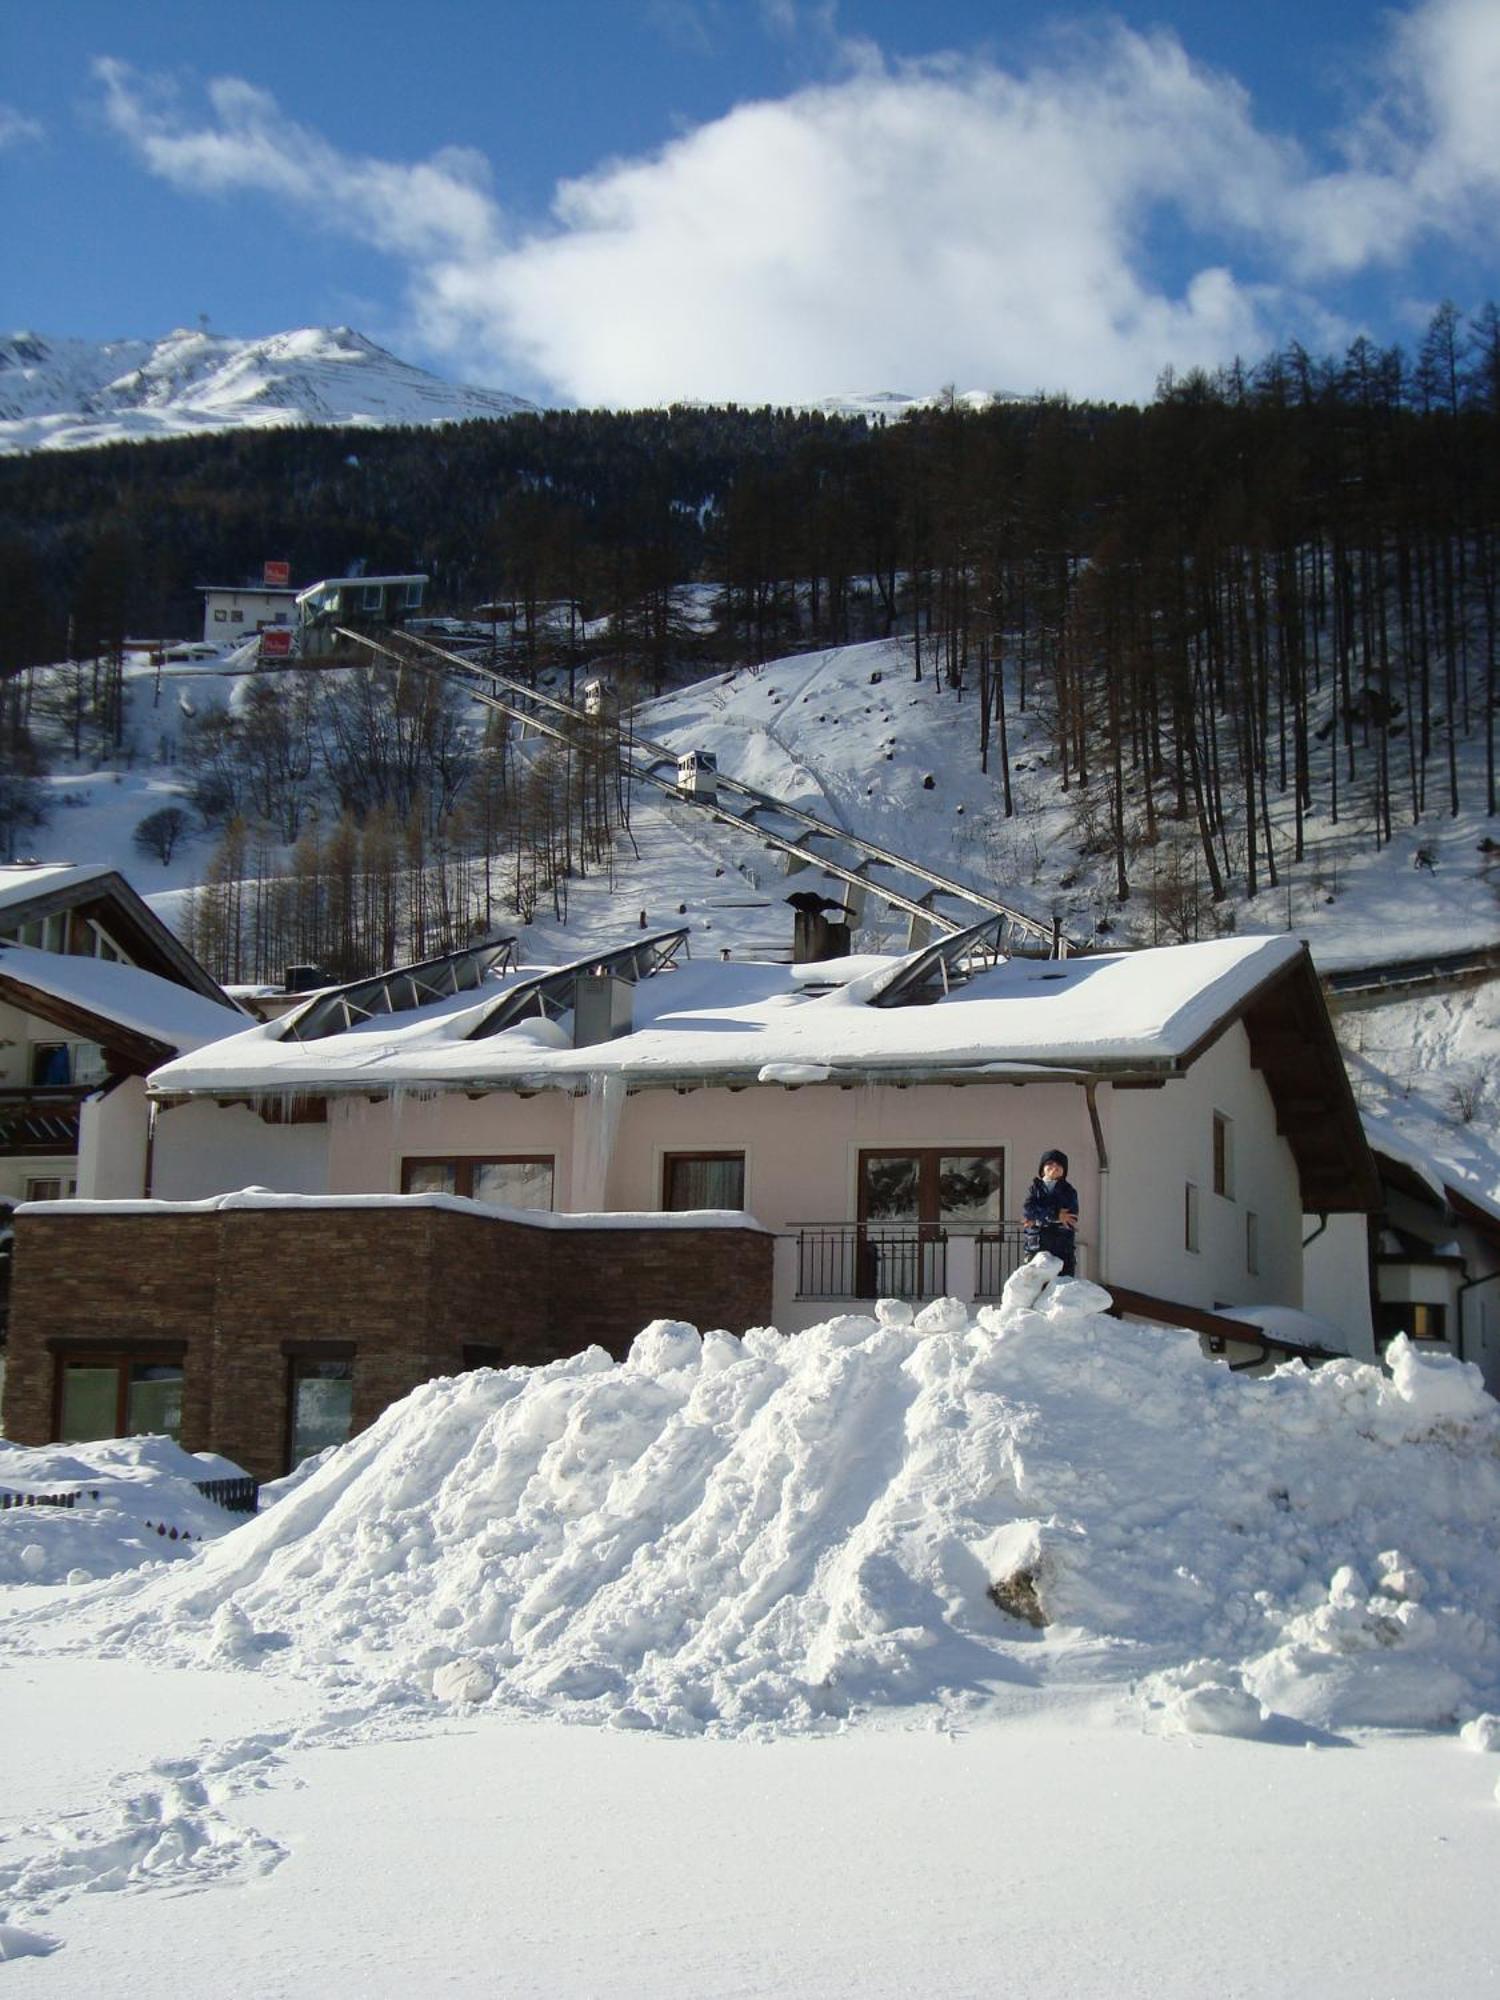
(406, 1287)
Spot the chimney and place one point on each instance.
(814, 938)
(603, 1008)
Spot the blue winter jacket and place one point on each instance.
(1044, 1204)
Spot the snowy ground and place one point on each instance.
(1053, 1856)
(715, 1672)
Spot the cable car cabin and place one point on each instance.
(698, 775)
(600, 697)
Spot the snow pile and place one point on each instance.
(725, 1534)
(136, 1502)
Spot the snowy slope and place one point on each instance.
(59, 394)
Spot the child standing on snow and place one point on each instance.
(1051, 1212)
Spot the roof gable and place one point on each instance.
(42, 890)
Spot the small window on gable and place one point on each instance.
(1252, 1242)
(221, 617)
(1189, 1216)
(236, 617)
(1223, 1155)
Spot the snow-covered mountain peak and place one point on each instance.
(60, 393)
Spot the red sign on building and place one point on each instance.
(276, 642)
(278, 573)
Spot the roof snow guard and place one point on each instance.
(952, 962)
(551, 994)
(337, 1008)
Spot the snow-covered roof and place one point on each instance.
(1446, 1172)
(122, 995)
(707, 1021)
(20, 881)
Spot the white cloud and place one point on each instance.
(947, 220)
(440, 208)
(16, 129)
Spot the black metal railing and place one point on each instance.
(856, 1260)
(235, 1496)
(997, 1253)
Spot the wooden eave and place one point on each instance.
(1293, 1045)
(1479, 1219)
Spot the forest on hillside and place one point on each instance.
(1268, 595)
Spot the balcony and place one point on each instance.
(41, 1121)
(852, 1260)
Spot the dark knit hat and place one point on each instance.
(1053, 1153)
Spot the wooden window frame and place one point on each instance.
(1192, 1233)
(1390, 1312)
(929, 1203)
(463, 1165)
(1223, 1155)
(122, 1359)
(692, 1156)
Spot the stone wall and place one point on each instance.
(403, 1288)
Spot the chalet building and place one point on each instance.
(1436, 1259)
(95, 993)
(471, 1159)
(233, 612)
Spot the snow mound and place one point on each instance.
(774, 1534)
(136, 1502)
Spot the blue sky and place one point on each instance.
(619, 201)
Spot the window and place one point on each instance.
(1252, 1242)
(50, 1187)
(51, 1064)
(372, 598)
(236, 617)
(1417, 1322)
(322, 1405)
(413, 596)
(703, 1180)
(520, 1180)
(1189, 1216)
(115, 1395)
(221, 618)
(1223, 1156)
(932, 1188)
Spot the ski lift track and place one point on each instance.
(655, 764)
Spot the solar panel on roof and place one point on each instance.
(338, 1008)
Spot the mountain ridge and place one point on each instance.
(59, 393)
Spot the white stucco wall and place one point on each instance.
(256, 608)
(1336, 1278)
(112, 1143)
(204, 1149)
(1159, 1140)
